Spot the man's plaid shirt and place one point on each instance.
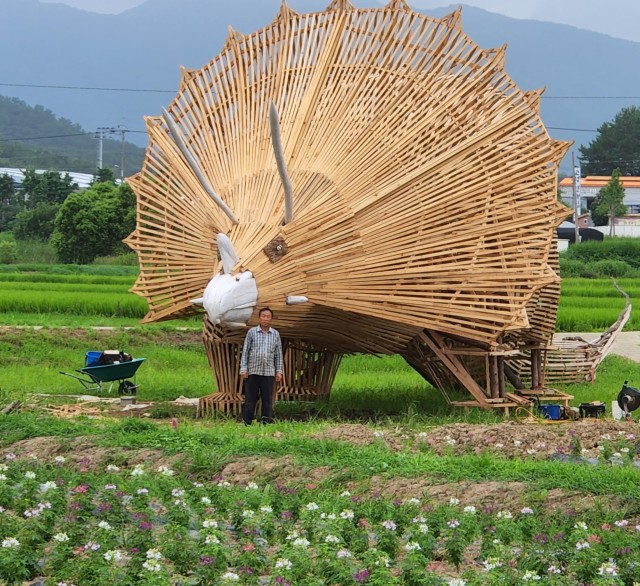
(262, 352)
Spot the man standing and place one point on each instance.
(261, 361)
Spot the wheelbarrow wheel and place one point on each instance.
(127, 387)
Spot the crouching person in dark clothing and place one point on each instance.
(261, 363)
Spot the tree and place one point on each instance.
(36, 222)
(608, 203)
(616, 146)
(104, 175)
(50, 187)
(93, 222)
(9, 203)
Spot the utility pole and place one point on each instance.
(577, 180)
(122, 133)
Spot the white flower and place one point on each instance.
(154, 554)
(3, 476)
(10, 456)
(517, 443)
(344, 553)
(205, 500)
(210, 523)
(332, 539)
(112, 468)
(165, 471)
(66, 584)
(248, 513)
(152, 566)
(390, 525)
(531, 452)
(60, 459)
(469, 509)
(378, 434)
(110, 487)
(345, 493)
(312, 507)
(504, 515)
(346, 514)
(582, 545)
(423, 528)
(224, 484)
(453, 523)
(178, 493)
(554, 570)
(266, 509)
(10, 543)
(581, 525)
(413, 501)
(526, 511)
(138, 471)
(252, 486)
(529, 575)
(624, 450)
(450, 441)
(453, 501)
(491, 564)
(104, 525)
(211, 540)
(231, 577)
(622, 523)
(61, 537)
(30, 474)
(113, 556)
(457, 582)
(423, 434)
(608, 569)
(301, 542)
(329, 516)
(283, 564)
(92, 545)
(142, 491)
(198, 484)
(412, 546)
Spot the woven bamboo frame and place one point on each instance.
(424, 192)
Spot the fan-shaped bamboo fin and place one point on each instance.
(175, 133)
(498, 56)
(186, 74)
(340, 5)
(285, 12)
(533, 97)
(397, 5)
(453, 20)
(278, 151)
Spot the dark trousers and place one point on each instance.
(258, 387)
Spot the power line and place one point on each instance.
(97, 89)
(173, 91)
(6, 139)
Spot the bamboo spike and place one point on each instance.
(276, 141)
(179, 141)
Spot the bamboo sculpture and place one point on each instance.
(375, 178)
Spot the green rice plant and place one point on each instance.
(125, 281)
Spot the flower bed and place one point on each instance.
(74, 523)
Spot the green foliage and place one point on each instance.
(50, 187)
(621, 249)
(8, 250)
(611, 268)
(9, 202)
(37, 222)
(93, 222)
(616, 146)
(608, 204)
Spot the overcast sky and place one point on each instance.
(618, 18)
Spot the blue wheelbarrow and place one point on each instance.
(104, 369)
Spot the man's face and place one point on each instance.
(265, 319)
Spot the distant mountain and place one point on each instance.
(33, 137)
(144, 47)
